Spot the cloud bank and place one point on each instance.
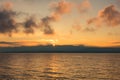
(109, 16)
(9, 25)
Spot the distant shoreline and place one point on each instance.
(59, 49)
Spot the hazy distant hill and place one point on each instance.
(67, 49)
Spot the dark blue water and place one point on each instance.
(60, 66)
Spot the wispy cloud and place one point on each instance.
(28, 43)
(10, 44)
(117, 42)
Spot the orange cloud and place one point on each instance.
(60, 8)
(109, 16)
(7, 5)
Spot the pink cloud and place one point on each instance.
(60, 8)
(7, 5)
(109, 16)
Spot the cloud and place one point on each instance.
(6, 44)
(7, 5)
(29, 25)
(117, 43)
(109, 16)
(60, 8)
(78, 27)
(7, 19)
(44, 25)
(47, 29)
(84, 6)
(11, 43)
(9, 25)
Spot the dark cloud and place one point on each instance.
(9, 24)
(47, 29)
(7, 19)
(9, 43)
(45, 25)
(29, 25)
(109, 16)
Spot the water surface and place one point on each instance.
(62, 66)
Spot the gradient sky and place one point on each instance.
(71, 22)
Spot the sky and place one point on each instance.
(59, 22)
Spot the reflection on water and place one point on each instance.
(59, 66)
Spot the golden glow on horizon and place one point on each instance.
(55, 42)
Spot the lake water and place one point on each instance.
(62, 66)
